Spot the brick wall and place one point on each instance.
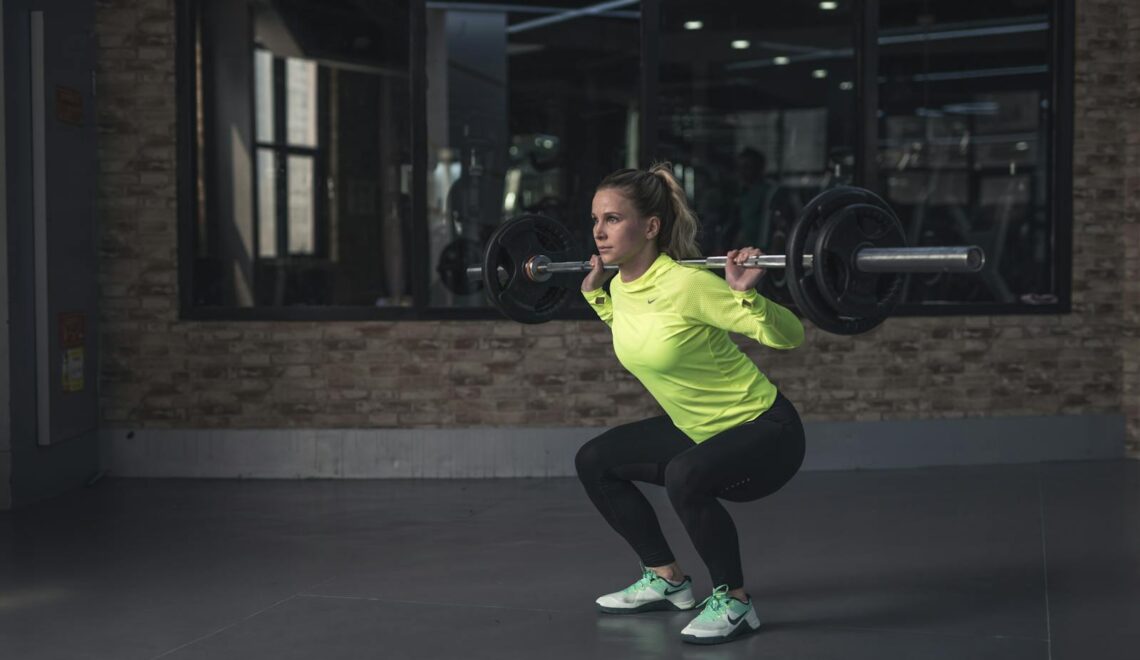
(160, 372)
(1129, 110)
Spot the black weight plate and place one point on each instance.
(510, 246)
(811, 301)
(454, 260)
(848, 290)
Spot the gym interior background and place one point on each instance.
(229, 225)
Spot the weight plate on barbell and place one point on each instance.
(454, 259)
(513, 293)
(848, 290)
(812, 301)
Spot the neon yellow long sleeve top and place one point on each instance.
(670, 329)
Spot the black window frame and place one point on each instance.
(865, 29)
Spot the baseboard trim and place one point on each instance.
(549, 452)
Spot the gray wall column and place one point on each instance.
(5, 390)
(52, 413)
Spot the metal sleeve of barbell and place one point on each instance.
(966, 259)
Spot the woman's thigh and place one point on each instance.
(746, 462)
(638, 451)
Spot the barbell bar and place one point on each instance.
(965, 259)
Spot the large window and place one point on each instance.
(302, 150)
(347, 159)
(965, 135)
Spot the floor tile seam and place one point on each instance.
(435, 603)
(1044, 558)
(224, 628)
(928, 633)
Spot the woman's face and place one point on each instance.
(620, 232)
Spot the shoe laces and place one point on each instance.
(647, 576)
(716, 603)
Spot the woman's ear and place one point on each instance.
(654, 227)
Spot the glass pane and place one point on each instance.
(317, 193)
(528, 108)
(263, 91)
(266, 203)
(301, 213)
(301, 106)
(757, 110)
(964, 131)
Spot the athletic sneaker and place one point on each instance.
(650, 593)
(723, 619)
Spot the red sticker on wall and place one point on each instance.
(72, 331)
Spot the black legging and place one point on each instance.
(742, 464)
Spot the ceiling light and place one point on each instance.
(819, 74)
(693, 25)
(826, 5)
(780, 60)
(741, 44)
(847, 85)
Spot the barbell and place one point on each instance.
(848, 283)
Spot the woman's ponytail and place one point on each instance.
(678, 236)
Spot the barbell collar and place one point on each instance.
(965, 259)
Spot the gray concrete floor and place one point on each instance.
(1028, 561)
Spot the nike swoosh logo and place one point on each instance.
(735, 621)
(650, 301)
(670, 592)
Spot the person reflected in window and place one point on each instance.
(755, 200)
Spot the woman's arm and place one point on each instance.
(600, 301)
(597, 296)
(705, 298)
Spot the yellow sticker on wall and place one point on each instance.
(73, 370)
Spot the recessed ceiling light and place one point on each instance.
(781, 60)
(847, 85)
(819, 74)
(741, 44)
(693, 25)
(826, 5)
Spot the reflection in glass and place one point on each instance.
(301, 108)
(305, 154)
(266, 203)
(528, 108)
(301, 215)
(964, 123)
(754, 112)
(263, 88)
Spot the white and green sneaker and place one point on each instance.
(650, 593)
(723, 619)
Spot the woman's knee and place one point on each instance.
(684, 480)
(589, 461)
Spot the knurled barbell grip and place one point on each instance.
(964, 259)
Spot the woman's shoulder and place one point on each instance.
(688, 271)
(691, 279)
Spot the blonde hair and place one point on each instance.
(657, 192)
